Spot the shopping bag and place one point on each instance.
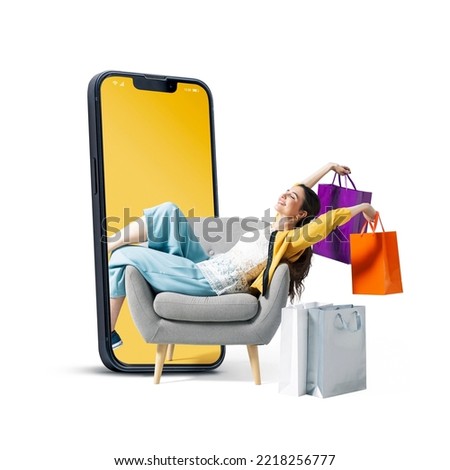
(336, 245)
(293, 350)
(336, 350)
(375, 261)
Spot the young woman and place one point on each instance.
(174, 260)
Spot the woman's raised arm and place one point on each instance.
(319, 174)
(368, 211)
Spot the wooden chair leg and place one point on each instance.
(161, 351)
(170, 350)
(254, 362)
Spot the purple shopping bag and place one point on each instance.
(337, 245)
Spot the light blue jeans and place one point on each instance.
(168, 262)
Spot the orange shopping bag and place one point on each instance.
(375, 261)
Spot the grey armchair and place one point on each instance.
(168, 318)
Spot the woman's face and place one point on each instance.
(290, 202)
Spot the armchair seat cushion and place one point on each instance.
(223, 308)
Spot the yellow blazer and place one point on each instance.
(288, 245)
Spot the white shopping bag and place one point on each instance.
(336, 350)
(293, 351)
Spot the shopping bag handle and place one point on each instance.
(343, 325)
(340, 183)
(373, 225)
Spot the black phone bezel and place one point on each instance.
(157, 83)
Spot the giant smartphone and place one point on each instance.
(151, 141)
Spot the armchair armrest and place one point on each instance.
(269, 318)
(141, 297)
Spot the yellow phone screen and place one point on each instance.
(157, 147)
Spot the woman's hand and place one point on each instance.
(369, 213)
(341, 169)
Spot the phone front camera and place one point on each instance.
(171, 86)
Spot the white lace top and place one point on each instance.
(236, 269)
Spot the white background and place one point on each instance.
(295, 84)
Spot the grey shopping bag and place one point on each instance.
(336, 350)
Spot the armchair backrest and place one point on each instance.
(219, 234)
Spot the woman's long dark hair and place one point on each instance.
(299, 269)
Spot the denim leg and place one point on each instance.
(165, 272)
(169, 231)
(116, 280)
